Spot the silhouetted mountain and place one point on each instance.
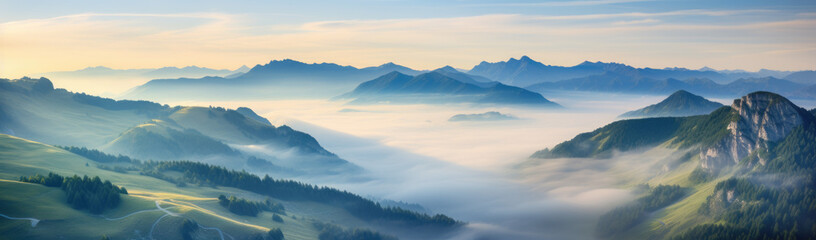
(803, 77)
(278, 79)
(526, 72)
(487, 116)
(439, 87)
(633, 82)
(165, 72)
(679, 104)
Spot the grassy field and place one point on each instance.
(138, 213)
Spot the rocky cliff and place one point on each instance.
(761, 118)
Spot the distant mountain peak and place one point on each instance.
(446, 68)
(525, 58)
(243, 68)
(678, 104)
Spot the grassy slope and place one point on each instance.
(43, 111)
(20, 157)
(200, 118)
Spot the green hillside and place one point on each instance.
(139, 212)
(33, 109)
(744, 172)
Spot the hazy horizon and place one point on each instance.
(750, 36)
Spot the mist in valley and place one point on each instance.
(474, 171)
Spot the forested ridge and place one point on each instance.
(205, 174)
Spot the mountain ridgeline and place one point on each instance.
(33, 109)
(754, 160)
(679, 104)
(442, 86)
(526, 71)
(278, 79)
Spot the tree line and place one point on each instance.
(245, 207)
(205, 174)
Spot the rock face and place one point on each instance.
(762, 117)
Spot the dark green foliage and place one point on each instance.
(277, 218)
(812, 112)
(187, 228)
(98, 156)
(706, 129)
(715, 232)
(796, 154)
(334, 232)
(83, 193)
(700, 176)
(200, 173)
(756, 211)
(622, 218)
(275, 234)
(242, 206)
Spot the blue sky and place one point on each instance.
(39, 36)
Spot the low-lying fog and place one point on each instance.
(470, 170)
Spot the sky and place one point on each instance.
(54, 35)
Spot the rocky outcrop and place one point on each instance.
(762, 117)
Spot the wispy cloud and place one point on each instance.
(692, 12)
(227, 41)
(562, 3)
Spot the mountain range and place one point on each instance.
(678, 104)
(288, 78)
(744, 171)
(443, 85)
(34, 110)
(634, 83)
(275, 80)
(152, 73)
(526, 71)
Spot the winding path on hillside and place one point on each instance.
(34, 221)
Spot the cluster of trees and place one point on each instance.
(622, 218)
(360, 207)
(277, 218)
(83, 192)
(275, 234)
(187, 228)
(334, 232)
(245, 207)
(700, 176)
(98, 156)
